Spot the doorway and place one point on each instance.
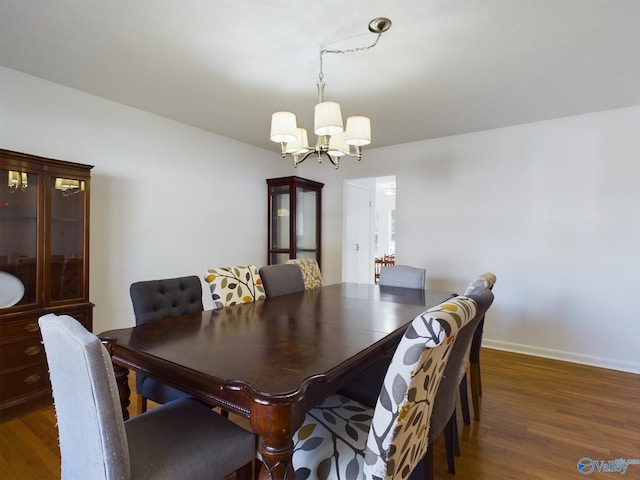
(369, 225)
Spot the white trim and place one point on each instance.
(562, 355)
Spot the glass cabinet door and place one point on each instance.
(18, 238)
(306, 211)
(294, 219)
(66, 258)
(280, 232)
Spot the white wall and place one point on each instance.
(551, 208)
(167, 199)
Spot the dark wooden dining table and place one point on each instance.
(271, 360)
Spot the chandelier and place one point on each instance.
(69, 187)
(334, 141)
(17, 181)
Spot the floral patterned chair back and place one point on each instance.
(310, 272)
(343, 439)
(234, 285)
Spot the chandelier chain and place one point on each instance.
(349, 50)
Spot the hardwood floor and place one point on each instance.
(538, 418)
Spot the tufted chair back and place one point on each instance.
(154, 300)
(170, 297)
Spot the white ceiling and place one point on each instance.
(445, 67)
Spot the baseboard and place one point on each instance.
(591, 360)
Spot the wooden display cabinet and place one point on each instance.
(294, 219)
(44, 268)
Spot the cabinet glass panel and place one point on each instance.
(306, 202)
(67, 255)
(18, 238)
(280, 211)
(279, 258)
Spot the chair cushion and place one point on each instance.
(310, 272)
(234, 285)
(158, 441)
(332, 440)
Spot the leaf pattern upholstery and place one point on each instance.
(234, 285)
(343, 439)
(310, 272)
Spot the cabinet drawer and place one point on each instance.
(10, 330)
(26, 351)
(23, 382)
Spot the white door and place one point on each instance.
(358, 261)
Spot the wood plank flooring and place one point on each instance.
(538, 418)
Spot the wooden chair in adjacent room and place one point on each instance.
(155, 300)
(182, 439)
(378, 263)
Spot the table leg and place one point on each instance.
(122, 382)
(123, 388)
(276, 424)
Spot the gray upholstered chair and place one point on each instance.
(402, 276)
(365, 387)
(443, 417)
(472, 365)
(342, 438)
(281, 279)
(154, 300)
(177, 441)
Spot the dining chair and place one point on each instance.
(365, 386)
(310, 272)
(281, 279)
(486, 280)
(154, 300)
(341, 438)
(402, 276)
(443, 417)
(379, 262)
(180, 440)
(234, 285)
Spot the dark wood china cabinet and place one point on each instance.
(44, 268)
(294, 219)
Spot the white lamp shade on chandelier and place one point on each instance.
(327, 119)
(283, 127)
